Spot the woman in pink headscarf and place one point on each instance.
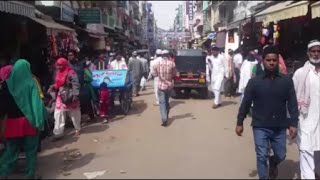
(65, 76)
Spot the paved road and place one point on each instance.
(199, 143)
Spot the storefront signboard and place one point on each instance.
(90, 15)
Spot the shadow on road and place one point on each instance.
(60, 164)
(65, 161)
(288, 169)
(176, 103)
(137, 108)
(227, 103)
(183, 116)
(96, 128)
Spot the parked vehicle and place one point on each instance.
(191, 72)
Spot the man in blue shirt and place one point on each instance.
(271, 94)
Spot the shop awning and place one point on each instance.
(283, 10)
(17, 8)
(315, 9)
(236, 24)
(52, 26)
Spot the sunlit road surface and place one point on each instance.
(199, 142)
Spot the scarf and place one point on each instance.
(5, 72)
(282, 65)
(302, 88)
(25, 93)
(62, 74)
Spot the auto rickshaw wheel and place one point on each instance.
(176, 93)
(203, 93)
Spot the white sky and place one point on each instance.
(164, 13)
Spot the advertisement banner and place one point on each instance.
(190, 9)
(114, 78)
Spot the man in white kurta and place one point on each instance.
(118, 63)
(217, 66)
(153, 62)
(307, 86)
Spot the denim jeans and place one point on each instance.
(262, 138)
(164, 96)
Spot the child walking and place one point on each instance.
(104, 102)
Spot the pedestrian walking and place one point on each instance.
(145, 70)
(208, 65)
(307, 85)
(165, 70)
(90, 100)
(26, 115)
(246, 72)
(136, 71)
(229, 87)
(102, 64)
(237, 60)
(271, 94)
(217, 66)
(155, 79)
(66, 78)
(119, 63)
(104, 102)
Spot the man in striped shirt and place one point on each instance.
(165, 70)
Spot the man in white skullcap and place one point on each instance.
(307, 86)
(155, 79)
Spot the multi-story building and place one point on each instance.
(241, 15)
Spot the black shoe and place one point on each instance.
(273, 169)
(164, 124)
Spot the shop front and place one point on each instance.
(289, 26)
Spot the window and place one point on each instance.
(231, 36)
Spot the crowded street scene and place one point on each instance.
(160, 90)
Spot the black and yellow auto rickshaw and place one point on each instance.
(191, 72)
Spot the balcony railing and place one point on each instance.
(109, 21)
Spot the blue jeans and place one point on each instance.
(164, 96)
(262, 138)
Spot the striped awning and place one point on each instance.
(17, 8)
(283, 10)
(315, 9)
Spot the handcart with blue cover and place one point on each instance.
(119, 85)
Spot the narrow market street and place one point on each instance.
(199, 143)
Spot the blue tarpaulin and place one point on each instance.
(114, 78)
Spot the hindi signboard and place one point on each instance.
(114, 78)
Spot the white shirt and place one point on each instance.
(237, 60)
(309, 127)
(245, 74)
(217, 67)
(152, 64)
(117, 65)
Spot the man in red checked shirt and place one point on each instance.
(165, 70)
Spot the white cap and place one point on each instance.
(134, 53)
(165, 52)
(158, 51)
(313, 43)
(151, 57)
(112, 54)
